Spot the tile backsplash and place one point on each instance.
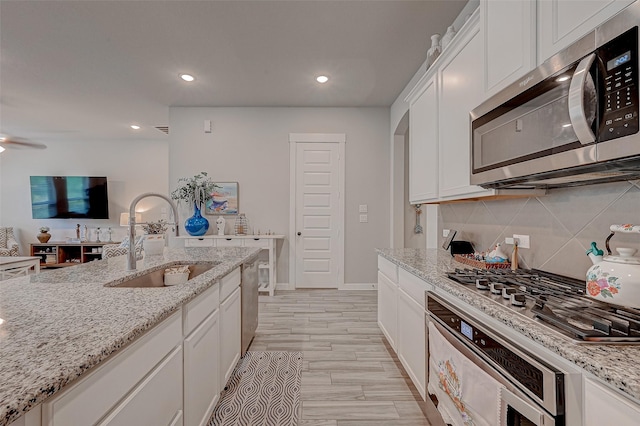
(561, 224)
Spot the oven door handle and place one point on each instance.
(532, 414)
(577, 114)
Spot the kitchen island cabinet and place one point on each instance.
(105, 355)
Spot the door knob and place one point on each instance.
(299, 233)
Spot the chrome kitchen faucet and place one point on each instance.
(131, 254)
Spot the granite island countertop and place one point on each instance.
(615, 364)
(57, 325)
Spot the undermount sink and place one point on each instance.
(156, 278)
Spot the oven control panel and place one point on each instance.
(520, 369)
(619, 68)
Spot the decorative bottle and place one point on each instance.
(241, 226)
(434, 50)
(447, 37)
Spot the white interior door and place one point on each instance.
(319, 214)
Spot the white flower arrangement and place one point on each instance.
(198, 189)
(153, 228)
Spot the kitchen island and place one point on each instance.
(612, 364)
(59, 325)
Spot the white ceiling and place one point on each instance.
(86, 70)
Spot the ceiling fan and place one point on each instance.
(19, 143)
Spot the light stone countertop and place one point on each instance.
(59, 324)
(615, 364)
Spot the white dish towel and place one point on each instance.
(467, 396)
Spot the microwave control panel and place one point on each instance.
(619, 67)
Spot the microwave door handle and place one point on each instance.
(577, 114)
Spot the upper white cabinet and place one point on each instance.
(423, 143)
(602, 406)
(561, 22)
(461, 90)
(509, 32)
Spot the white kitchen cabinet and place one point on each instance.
(423, 142)
(95, 395)
(411, 340)
(508, 28)
(603, 406)
(387, 311)
(230, 335)
(461, 89)
(562, 22)
(201, 370)
(155, 401)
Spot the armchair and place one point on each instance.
(112, 250)
(8, 244)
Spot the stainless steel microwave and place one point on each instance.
(571, 121)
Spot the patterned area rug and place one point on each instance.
(264, 389)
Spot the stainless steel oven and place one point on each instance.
(571, 121)
(529, 390)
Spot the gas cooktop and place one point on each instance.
(558, 302)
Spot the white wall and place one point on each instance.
(250, 146)
(131, 167)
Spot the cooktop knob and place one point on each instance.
(508, 291)
(482, 284)
(496, 288)
(518, 299)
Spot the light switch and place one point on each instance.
(363, 208)
(207, 126)
(364, 218)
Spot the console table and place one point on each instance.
(266, 242)
(12, 266)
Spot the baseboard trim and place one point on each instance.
(346, 286)
(359, 286)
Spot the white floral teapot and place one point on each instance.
(615, 279)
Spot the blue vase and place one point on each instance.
(196, 225)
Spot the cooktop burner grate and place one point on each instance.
(557, 301)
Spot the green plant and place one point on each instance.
(197, 189)
(158, 227)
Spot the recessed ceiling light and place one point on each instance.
(135, 127)
(187, 77)
(566, 125)
(322, 79)
(1, 149)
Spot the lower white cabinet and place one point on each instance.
(172, 375)
(387, 311)
(401, 317)
(230, 335)
(201, 370)
(603, 406)
(95, 395)
(155, 401)
(411, 344)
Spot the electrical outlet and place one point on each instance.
(363, 208)
(445, 233)
(523, 241)
(364, 218)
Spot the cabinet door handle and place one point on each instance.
(299, 233)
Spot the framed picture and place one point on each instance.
(225, 199)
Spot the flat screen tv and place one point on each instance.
(67, 197)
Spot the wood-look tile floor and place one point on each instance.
(350, 376)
